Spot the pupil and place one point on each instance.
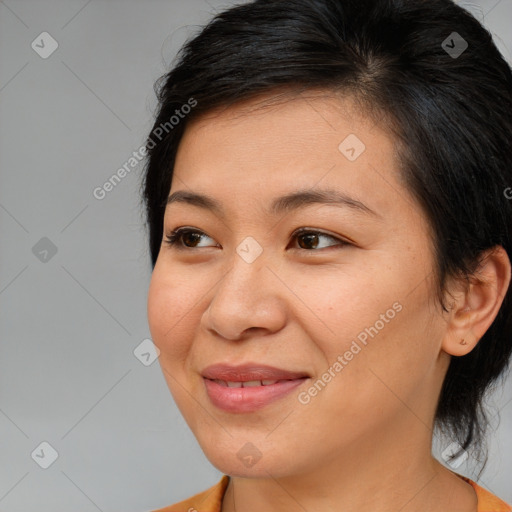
(311, 238)
(192, 236)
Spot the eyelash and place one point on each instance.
(174, 238)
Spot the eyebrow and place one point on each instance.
(282, 204)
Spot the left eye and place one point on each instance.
(312, 237)
(181, 237)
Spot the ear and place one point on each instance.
(475, 306)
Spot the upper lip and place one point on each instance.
(249, 372)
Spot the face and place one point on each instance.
(330, 296)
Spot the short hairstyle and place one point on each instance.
(433, 75)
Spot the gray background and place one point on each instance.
(70, 324)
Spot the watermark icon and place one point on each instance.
(304, 397)
(44, 45)
(249, 249)
(164, 128)
(249, 455)
(44, 455)
(454, 455)
(44, 250)
(454, 45)
(146, 352)
(351, 147)
(508, 193)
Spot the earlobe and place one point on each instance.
(475, 308)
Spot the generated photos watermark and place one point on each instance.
(343, 360)
(159, 133)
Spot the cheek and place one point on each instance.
(374, 321)
(340, 304)
(171, 316)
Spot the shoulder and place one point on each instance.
(210, 500)
(487, 502)
(206, 501)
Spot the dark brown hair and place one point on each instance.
(434, 72)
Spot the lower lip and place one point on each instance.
(248, 399)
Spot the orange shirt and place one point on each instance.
(211, 499)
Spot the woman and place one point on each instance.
(330, 233)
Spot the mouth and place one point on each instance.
(247, 384)
(247, 388)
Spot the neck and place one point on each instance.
(371, 475)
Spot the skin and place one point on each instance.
(364, 441)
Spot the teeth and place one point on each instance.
(252, 383)
(247, 384)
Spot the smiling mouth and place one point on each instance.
(249, 388)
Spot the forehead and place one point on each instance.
(271, 145)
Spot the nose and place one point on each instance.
(248, 298)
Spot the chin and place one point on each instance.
(247, 461)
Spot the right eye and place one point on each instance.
(179, 238)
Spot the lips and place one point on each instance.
(247, 388)
(249, 373)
